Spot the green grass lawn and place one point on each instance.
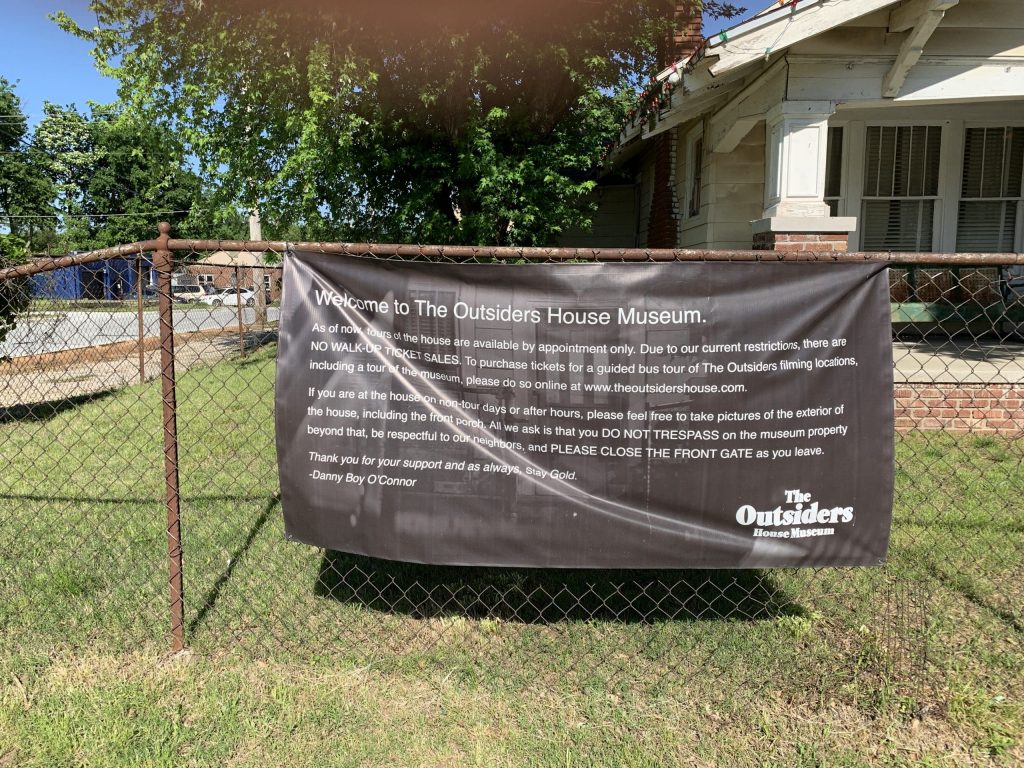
(300, 657)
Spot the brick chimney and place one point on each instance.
(688, 32)
(685, 39)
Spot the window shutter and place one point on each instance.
(986, 226)
(897, 225)
(901, 182)
(834, 169)
(991, 190)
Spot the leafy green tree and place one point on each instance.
(65, 142)
(138, 169)
(453, 122)
(110, 172)
(25, 192)
(14, 294)
(25, 189)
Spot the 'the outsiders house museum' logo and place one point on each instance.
(797, 510)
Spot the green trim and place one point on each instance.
(943, 312)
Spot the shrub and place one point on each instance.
(14, 294)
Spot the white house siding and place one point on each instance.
(732, 192)
(735, 189)
(975, 53)
(692, 229)
(974, 28)
(614, 222)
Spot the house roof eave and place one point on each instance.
(726, 58)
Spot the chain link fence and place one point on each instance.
(94, 505)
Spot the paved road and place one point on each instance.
(958, 362)
(59, 331)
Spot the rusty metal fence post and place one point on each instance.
(238, 309)
(950, 594)
(163, 263)
(142, 326)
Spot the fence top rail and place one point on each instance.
(50, 263)
(468, 252)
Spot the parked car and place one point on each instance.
(216, 297)
(231, 298)
(184, 293)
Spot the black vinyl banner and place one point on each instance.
(587, 415)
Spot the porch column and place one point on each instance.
(796, 216)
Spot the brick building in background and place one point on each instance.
(226, 269)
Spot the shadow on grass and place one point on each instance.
(44, 411)
(963, 585)
(256, 340)
(209, 600)
(544, 596)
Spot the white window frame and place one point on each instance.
(852, 185)
(947, 204)
(843, 170)
(694, 135)
(1018, 236)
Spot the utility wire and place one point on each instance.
(90, 215)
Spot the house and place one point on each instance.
(861, 125)
(871, 125)
(226, 269)
(106, 280)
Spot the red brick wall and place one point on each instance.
(800, 241)
(982, 409)
(662, 222)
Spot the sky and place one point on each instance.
(713, 26)
(44, 62)
(47, 64)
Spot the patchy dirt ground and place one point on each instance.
(81, 372)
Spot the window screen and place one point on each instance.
(834, 170)
(990, 202)
(696, 177)
(901, 184)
